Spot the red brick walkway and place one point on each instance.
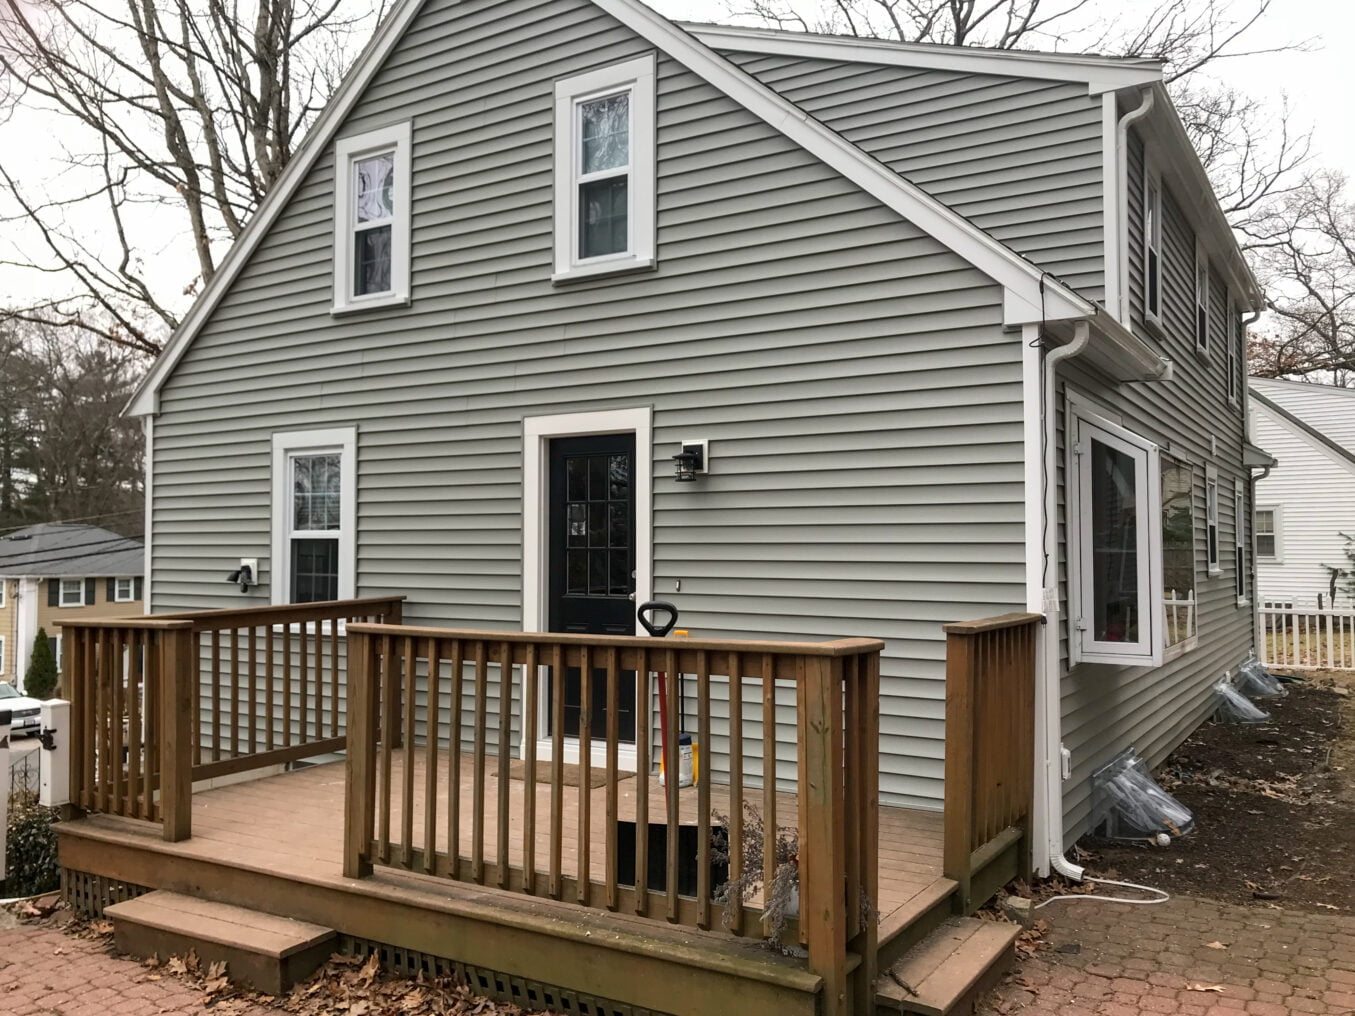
(46, 972)
(1103, 959)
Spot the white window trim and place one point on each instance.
(1240, 543)
(4, 593)
(395, 138)
(55, 642)
(1152, 195)
(343, 440)
(537, 432)
(61, 593)
(1201, 303)
(1211, 522)
(131, 590)
(638, 78)
(1277, 526)
(1148, 651)
(2, 654)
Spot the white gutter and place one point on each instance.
(1049, 717)
(1118, 253)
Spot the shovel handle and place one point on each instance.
(646, 614)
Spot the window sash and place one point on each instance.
(1152, 260)
(1211, 496)
(338, 482)
(1201, 303)
(1146, 645)
(78, 586)
(582, 179)
(124, 590)
(1239, 542)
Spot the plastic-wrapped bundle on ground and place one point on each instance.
(1127, 804)
(1254, 679)
(1234, 707)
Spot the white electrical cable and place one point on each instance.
(1163, 895)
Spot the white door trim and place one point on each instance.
(537, 431)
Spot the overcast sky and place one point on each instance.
(1320, 85)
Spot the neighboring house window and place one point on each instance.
(72, 593)
(1211, 519)
(1201, 301)
(314, 515)
(124, 590)
(1268, 533)
(1152, 248)
(604, 170)
(371, 219)
(1178, 551)
(2, 653)
(1239, 547)
(4, 592)
(1117, 515)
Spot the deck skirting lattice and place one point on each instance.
(88, 894)
(492, 984)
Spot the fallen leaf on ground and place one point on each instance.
(1215, 945)
(1216, 988)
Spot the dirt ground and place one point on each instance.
(1274, 806)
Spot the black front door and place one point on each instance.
(592, 562)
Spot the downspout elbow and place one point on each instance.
(1067, 868)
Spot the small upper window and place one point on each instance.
(604, 170)
(1201, 301)
(124, 590)
(72, 593)
(1152, 249)
(371, 219)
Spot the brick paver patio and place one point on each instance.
(1104, 959)
(46, 972)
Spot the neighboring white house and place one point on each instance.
(1307, 501)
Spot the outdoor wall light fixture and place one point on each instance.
(244, 576)
(690, 462)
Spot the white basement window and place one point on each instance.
(371, 219)
(1211, 519)
(1152, 249)
(604, 170)
(1117, 532)
(314, 515)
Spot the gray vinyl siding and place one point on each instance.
(1018, 158)
(1105, 708)
(861, 398)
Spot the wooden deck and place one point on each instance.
(276, 844)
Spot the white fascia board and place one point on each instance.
(1099, 74)
(1004, 266)
(145, 400)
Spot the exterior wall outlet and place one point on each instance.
(1065, 763)
(252, 563)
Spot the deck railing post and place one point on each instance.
(75, 689)
(864, 811)
(958, 817)
(179, 700)
(823, 903)
(360, 789)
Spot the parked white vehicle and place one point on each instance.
(24, 711)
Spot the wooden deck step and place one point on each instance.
(260, 950)
(945, 973)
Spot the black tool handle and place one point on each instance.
(646, 615)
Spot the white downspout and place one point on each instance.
(1120, 257)
(1050, 719)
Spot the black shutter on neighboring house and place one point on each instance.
(89, 591)
(111, 590)
(137, 594)
(53, 592)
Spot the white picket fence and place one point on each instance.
(1295, 636)
(1179, 607)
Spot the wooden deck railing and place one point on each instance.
(439, 719)
(990, 743)
(160, 702)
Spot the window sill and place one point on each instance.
(371, 303)
(1203, 355)
(1243, 601)
(1215, 572)
(603, 269)
(1181, 648)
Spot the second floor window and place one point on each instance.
(604, 170)
(372, 219)
(1152, 249)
